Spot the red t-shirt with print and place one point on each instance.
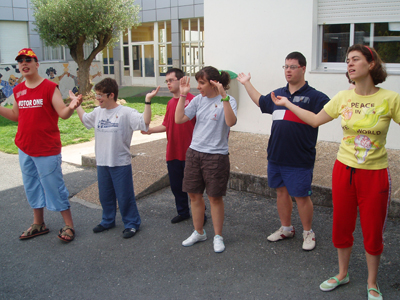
(38, 133)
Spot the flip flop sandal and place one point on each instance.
(33, 231)
(63, 233)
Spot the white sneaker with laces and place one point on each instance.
(219, 245)
(308, 240)
(194, 238)
(280, 234)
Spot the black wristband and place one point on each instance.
(145, 102)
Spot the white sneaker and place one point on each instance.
(219, 245)
(280, 234)
(308, 241)
(194, 238)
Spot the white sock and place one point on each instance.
(288, 228)
(310, 231)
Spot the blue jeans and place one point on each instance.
(43, 181)
(175, 172)
(116, 183)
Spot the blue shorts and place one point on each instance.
(43, 181)
(296, 180)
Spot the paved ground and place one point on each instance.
(154, 265)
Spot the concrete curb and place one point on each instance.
(322, 196)
(163, 182)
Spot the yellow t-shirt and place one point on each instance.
(365, 123)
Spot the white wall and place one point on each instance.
(255, 36)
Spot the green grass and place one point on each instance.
(158, 104)
(71, 130)
(130, 91)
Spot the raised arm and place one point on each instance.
(230, 118)
(253, 93)
(147, 107)
(309, 117)
(11, 114)
(79, 109)
(65, 111)
(180, 116)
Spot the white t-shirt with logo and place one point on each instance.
(113, 133)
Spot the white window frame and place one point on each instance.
(353, 12)
(165, 45)
(340, 67)
(108, 65)
(192, 67)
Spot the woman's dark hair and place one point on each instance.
(211, 73)
(378, 72)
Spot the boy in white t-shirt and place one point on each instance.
(114, 125)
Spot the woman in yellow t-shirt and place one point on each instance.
(360, 176)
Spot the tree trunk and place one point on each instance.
(76, 51)
(84, 79)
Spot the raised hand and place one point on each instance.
(279, 100)
(152, 93)
(220, 87)
(75, 100)
(243, 78)
(184, 85)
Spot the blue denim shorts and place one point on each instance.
(296, 180)
(43, 181)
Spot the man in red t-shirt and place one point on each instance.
(38, 105)
(179, 137)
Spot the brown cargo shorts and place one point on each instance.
(206, 171)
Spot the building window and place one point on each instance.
(53, 53)
(108, 61)
(125, 48)
(343, 23)
(138, 50)
(142, 33)
(192, 31)
(384, 37)
(164, 47)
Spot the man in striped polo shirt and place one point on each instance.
(291, 147)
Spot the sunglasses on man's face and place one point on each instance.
(27, 59)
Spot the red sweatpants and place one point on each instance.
(370, 191)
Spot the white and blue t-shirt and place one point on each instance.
(113, 133)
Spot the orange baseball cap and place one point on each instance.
(26, 52)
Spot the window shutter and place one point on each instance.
(358, 11)
(13, 37)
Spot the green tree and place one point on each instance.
(76, 22)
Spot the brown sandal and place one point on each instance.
(63, 233)
(33, 231)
